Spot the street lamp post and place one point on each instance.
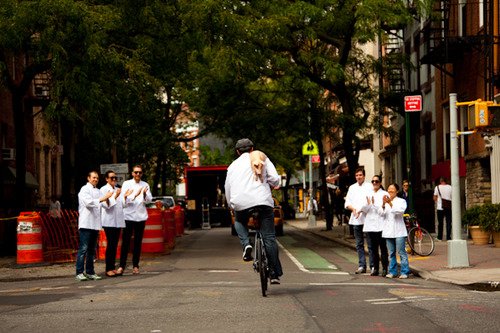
(457, 247)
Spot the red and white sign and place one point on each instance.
(413, 103)
(315, 158)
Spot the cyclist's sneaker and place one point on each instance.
(94, 277)
(389, 276)
(247, 253)
(275, 280)
(81, 277)
(403, 276)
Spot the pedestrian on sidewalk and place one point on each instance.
(443, 191)
(245, 193)
(112, 219)
(394, 232)
(354, 202)
(135, 214)
(405, 194)
(312, 206)
(374, 223)
(89, 224)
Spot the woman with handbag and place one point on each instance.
(442, 197)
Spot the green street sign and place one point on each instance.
(310, 148)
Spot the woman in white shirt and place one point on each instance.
(394, 231)
(374, 223)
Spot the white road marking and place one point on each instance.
(398, 300)
(361, 284)
(223, 271)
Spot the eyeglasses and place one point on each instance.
(113, 178)
(138, 172)
(375, 181)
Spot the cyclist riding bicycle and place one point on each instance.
(243, 193)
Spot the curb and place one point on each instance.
(422, 273)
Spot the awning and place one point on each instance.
(9, 177)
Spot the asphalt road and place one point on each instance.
(204, 286)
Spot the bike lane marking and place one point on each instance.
(307, 260)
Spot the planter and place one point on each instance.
(496, 238)
(479, 236)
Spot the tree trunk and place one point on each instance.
(20, 134)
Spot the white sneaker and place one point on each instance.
(403, 276)
(247, 253)
(81, 277)
(389, 276)
(94, 277)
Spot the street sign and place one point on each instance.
(413, 103)
(310, 148)
(121, 168)
(315, 159)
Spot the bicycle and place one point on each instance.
(419, 239)
(261, 263)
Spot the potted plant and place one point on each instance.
(475, 220)
(491, 222)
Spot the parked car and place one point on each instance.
(278, 220)
(167, 202)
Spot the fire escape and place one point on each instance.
(450, 38)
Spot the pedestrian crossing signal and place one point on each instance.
(483, 114)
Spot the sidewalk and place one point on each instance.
(484, 260)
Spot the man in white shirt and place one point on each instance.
(243, 193)
(89, 224)
(354, 201)
(135, 214)
(443, 191)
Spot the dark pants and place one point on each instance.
(375, 242)
(360, 244)
(86, 251)
(136, 228)
(268, 235)
(112, 237)
(445, 213)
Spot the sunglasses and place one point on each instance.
(138, 172)
(375, 181)
(113, 178)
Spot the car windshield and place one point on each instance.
(167, 201)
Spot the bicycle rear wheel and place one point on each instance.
(421, 242)
(262, 266)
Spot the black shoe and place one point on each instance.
(247, 253)
(360, 270)
(373, 272)
(384, 272)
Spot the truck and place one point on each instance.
(205, 198)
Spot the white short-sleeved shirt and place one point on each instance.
(445, 190)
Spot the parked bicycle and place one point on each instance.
(260, 264)
(419, 239)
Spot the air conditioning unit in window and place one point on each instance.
(8, 154)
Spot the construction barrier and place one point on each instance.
(152, 242)
(60, 236)
(29, 238)
(179, 220)
(169, 228)
(103, 244)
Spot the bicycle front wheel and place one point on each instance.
(261, 264)
(421, 242)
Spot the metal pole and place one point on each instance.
(408, 161)
(312, 217)
(457, 247)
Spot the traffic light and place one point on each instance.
(484, 114)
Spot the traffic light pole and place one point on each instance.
(457, 247)
(312, 217)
